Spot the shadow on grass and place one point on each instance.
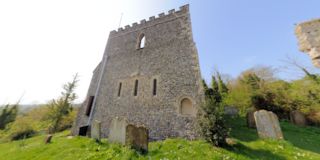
(306, 138)
(254, 153)
(239, 129)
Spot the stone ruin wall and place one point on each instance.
(308, 34)
(170, 56)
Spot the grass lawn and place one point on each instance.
(300, 143)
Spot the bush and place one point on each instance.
(8, 114)
(313, 117)
(21, 128)
(211, 115)
(211, 123)
(67, 121)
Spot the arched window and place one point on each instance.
(186, 107)
(141, 41)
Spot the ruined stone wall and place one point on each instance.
(308, 34)
(170, 57)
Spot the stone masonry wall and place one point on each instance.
(308, 34)
(170, 56)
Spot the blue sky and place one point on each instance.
(49, 41)
(234, 35)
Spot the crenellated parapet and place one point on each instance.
(308, 34)
(162, 17)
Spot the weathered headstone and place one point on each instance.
(118, 131)
(48, 139)
(250, 118)
(267, 124)
(298, 118)
(137, 137)
(231, 111)
(96, 130)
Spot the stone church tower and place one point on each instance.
(149, 75)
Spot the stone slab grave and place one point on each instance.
(118, 130)
(137, 137)
(267, 124)
(128, 134)
(48, 139)
(231, 111)
(250, 118)
(298, 118)
(96, 130)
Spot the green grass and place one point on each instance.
(299, 143)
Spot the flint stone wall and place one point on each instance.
(308, 34)
(170, 56)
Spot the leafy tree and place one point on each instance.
(62, 106)
(8, 115)
(252, 80)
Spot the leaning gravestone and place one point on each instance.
(298, 118)
(137, 137)
(251, 123)
(96, 130)
(267, 124)
(48, 139)
(117, 132)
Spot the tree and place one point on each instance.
(8, 115)
(210, 117)
(61, 107)
(223, 89)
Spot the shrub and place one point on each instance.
(211, 117)
(313, 117)
(8, 115)
(211, 123)
(21, 128)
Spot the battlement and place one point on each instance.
(153, 19)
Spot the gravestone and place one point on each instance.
(231, 111)
(48, 139)
(250, 118)
(137, 137)
(96, 130)
(267, 124)
(117, 132)
(298, 118)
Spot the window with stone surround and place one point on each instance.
(154, 89)
(119, 89)
(141, 41)
(135, 93)
(89, 105)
